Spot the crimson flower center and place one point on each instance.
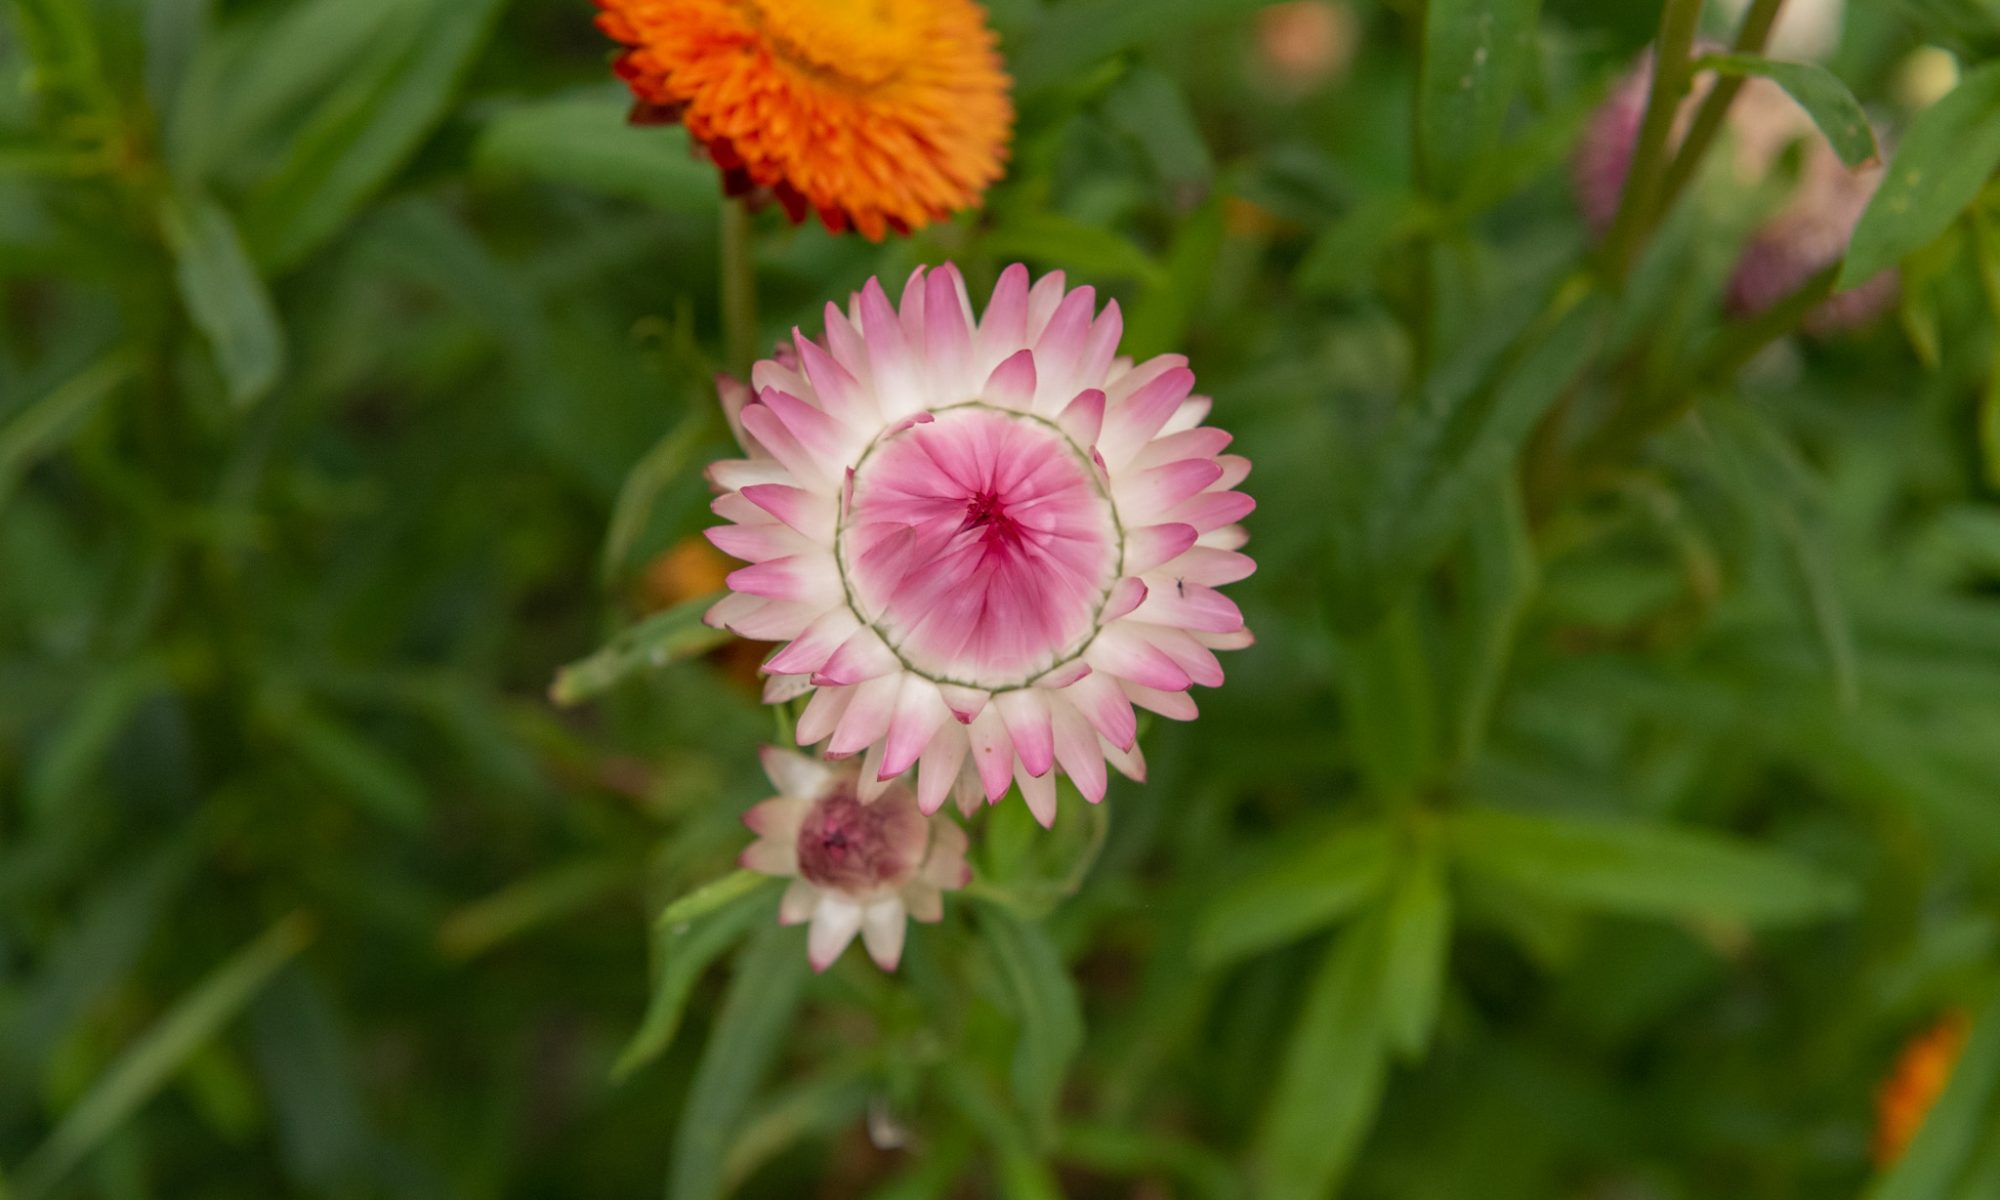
(980, 546)
(858, 848)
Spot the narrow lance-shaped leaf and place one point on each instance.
(1768, 472)
(1944, 160)
(1501, 575)
(1475, 53)
(223, 293)
(654, 642)
(540, 898)
(1952, 1131)
(756, 1013)
(373, 121)
(1316, 881)
(150, 1062)
(1417, 938)
(1047, 1008)
(584, 141)
(1643, 870)
(41, 426)
(693, 932)
(1819, 91)
(1070, 37)
(1330, 1076)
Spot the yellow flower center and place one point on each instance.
(858, 42)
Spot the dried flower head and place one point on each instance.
(983, 540)
(855, 865)
(876, 114)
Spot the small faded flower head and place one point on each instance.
(882, 115)
(983, 540)
(1812, 227)
(1303, 45)
(856, 866)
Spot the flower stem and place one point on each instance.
(739, 287)
(1672, 68)
(1714, 110)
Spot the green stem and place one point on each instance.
(739, 287)
(1727, 354)
(1737, 347)
(1672, 68)
(1714, 111)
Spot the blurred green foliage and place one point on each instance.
(1614, 788)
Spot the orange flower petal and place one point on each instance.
(876, 114)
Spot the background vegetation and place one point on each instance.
(1614, 788)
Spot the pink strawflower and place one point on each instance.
(855, 865)
(983, 540)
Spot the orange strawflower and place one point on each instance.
(1919, 1078)
(877, 114)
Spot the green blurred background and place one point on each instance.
(1589, 821)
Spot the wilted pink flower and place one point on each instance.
(855, 865)
(983, 540)
(1809, 232)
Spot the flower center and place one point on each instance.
(858, 848)
(860, 42)
(980, 546)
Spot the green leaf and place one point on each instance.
(755, 1016)
(223, 293)
(1443, 460)
(660, 639)
(1944, 160)
(1107, 1149)
(1418, 937)
(309, 1071)
(1819, 91)
(1474, 56)
(150, 1062)
(543, 897)
(1151, 109)
(1501, 576)
(1071, 37)
(1951, 1133)
(1643, 870)
(704, 925)
(372, 120)
(174, 33)
(1778, 486)
(39, 427)
(1296, 892)
(584, 140)
(88, 732)
(1057, 242)
(639, 495)
(1343, 258)
(68, 64)
(1389, 701)
(709, 897)
(95, 954)
(382, 783)
(1330, 1076)
(1158, 318)
(1047, 1010)
(261, 79)
(823, 1106)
